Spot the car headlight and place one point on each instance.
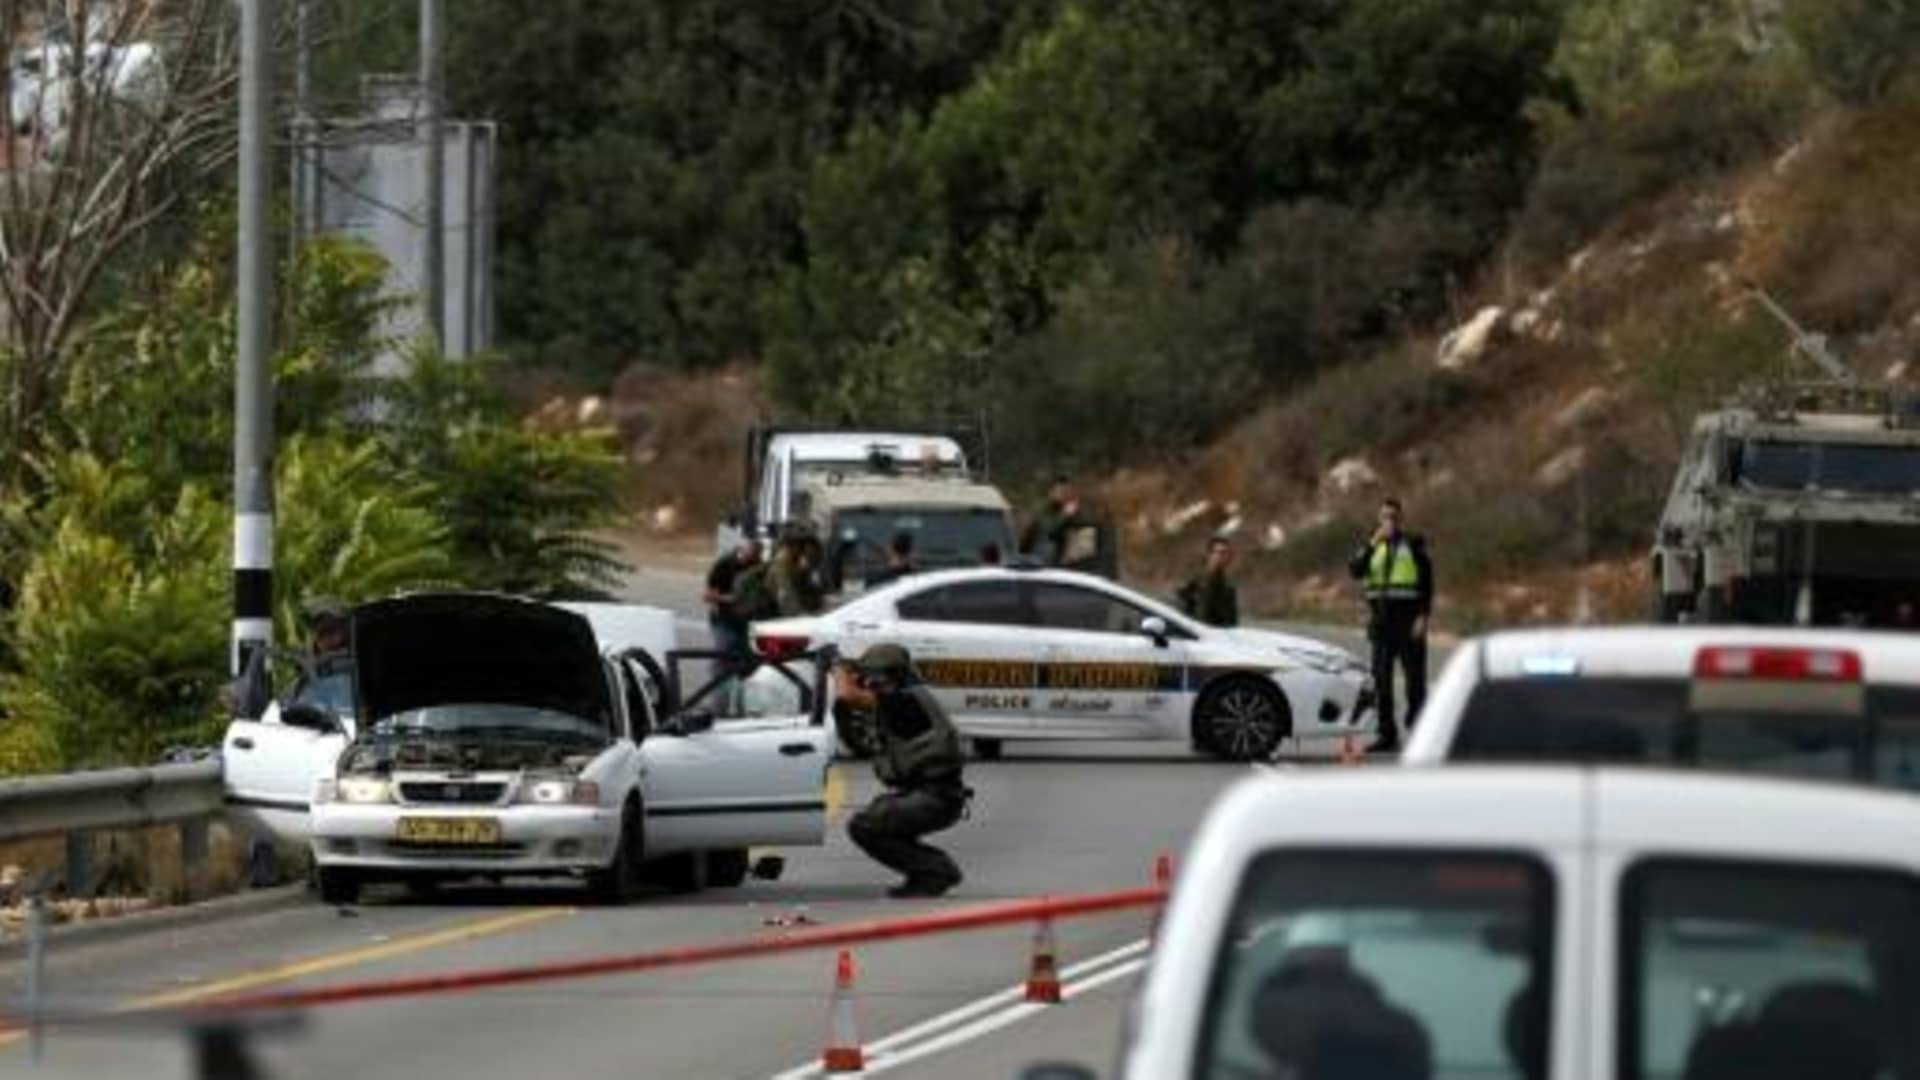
(362, 790)
(557, 792)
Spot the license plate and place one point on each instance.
(450, 831)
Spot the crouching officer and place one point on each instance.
(919, 759)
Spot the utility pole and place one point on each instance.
(433, 89)
(306, 152)
(253, 375)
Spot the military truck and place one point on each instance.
(857, 515)
(781, 463)
(1799, 504)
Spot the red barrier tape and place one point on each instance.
(969, 918)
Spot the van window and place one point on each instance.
(1759, 971)
(1414, 964)
(1652, 721)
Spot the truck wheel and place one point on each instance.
(1242, 719)
(338, 886)
(1714, 606)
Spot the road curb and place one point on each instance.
(95, 931)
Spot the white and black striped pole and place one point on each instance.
(253, 375)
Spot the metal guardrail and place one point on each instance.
(78, 804)
(108, 799)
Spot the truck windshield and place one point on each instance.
(941, 538)
(1652, 721)
(1795, 466)
(1395, 963)
(1761, 971)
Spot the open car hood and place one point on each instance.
(413, 652)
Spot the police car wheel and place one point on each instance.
(1241, 720)
(337, 886)
(855, 728)
(988, 749)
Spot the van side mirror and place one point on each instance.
(1155, 627)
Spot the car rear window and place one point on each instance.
(1758, 971)
(1652, 721)
(1390, 964)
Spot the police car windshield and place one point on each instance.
(1653, 721)
(1390, 964)
(1794, 466)
(941, 538)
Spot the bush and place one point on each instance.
(519, 506)
(1622, 157)
(1855, 48)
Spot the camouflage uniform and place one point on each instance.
(920, 760)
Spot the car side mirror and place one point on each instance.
(310, 717)
(1155, 627)
(1058, 1070)
(690, 722)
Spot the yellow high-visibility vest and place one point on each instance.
(1393, 573)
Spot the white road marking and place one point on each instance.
(990, 1013)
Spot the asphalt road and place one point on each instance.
(1050, 819)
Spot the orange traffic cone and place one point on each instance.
(843, 1053)
(1349, 753)
(1162, 879)
(1043, 977)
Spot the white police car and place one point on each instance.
(1811, 703)
(1051, 654)
(1536, 923)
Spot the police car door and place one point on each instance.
(1102, 676)
(976, 650)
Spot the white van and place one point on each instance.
(1537, 923)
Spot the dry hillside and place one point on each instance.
(1533, 435)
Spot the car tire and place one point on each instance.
(855, 727)
(619, 881)
(337, 886)
(727, 868)
(421, 888)
(1242, 719)
(989, 749)
(683, 872)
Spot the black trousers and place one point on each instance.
(890, 827)
(1394, 643)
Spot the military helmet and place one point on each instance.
(323, 609)
(889, 661)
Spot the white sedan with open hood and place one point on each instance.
(1051, 654)
(492, 736)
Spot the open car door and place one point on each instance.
(721, 773)
(269, 765)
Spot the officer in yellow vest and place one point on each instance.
(1398, 576)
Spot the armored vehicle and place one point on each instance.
(1800, 504)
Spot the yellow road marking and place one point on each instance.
(300, 969)
(836, 789)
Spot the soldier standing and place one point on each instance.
(1398, 576)
(920, 761)
(1211, 597)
